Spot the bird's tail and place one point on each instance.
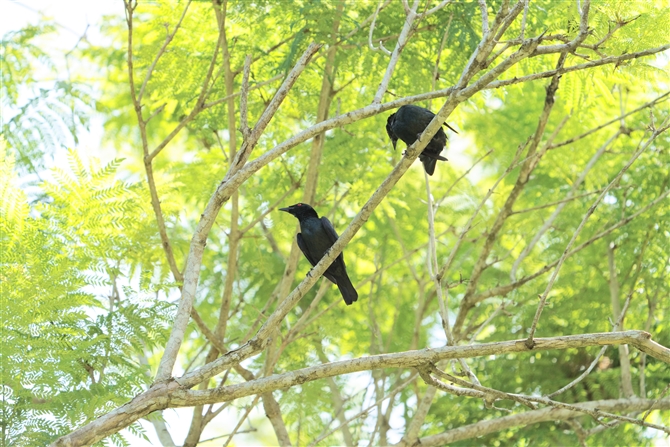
(347, 289)
(428, 164)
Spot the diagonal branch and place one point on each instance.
(194, 259)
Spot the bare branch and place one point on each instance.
(400, 44)
(244, 113)
(617, 314)
(170, 393)
(485, 17)
(582, 375)
(523, 20)
(533, 417)
(597, 63)
(410, 359)
(160, 53)
(372, 29)
(435, 8)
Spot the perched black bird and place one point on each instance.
(317, 236)
(407, 124)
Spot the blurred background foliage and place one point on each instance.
(88, 297)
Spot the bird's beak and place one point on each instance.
(284, 209)
(394, 143)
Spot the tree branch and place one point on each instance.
(484, 428)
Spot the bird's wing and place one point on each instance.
(330, 230)
(303, 248)
(332, 234)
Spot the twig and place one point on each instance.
(253, 87)
(453, 185)
(491, 394)
(558, 202)
(137, 105)
(372, 29)
(160, 53)
(400, 44)
(244, 113)
(241, 421)
(581, 376)
(436, 70)
(618, 316)
(596, 63)
(550, 221)
(523, 19)
(366, 410)
(620, 118)
(270, 208)
(651, 407)
(443, 297)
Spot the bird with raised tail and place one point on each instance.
(408, 123)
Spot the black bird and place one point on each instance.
(316, 237)
(407, 124)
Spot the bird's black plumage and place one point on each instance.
(316, 236)
(407, 124)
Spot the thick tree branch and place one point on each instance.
(412, 359)
(170, 394)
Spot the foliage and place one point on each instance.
(76, 311)
(40, 114)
